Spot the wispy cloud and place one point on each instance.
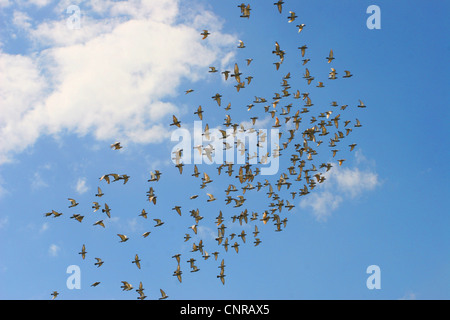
(5, 3)
(341, 184)
(322, 204)
(81, 186)
(21, 20)
(38, 182)
(204, 232)
(409, 296)
(133, 225)
(53, 250)
(3, 190)
(352, 181)
(44, 227)
(39, 3)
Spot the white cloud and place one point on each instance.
(53, 250)
(204, 232)
(5, 3)
(133, 225)
(360, 158)
(259, 124)
(25, 3)
(409, 296)
(113, 79)
(38, 182)
(21, 20)
(321, 203)
(37, 3)
(341, 184)
(21, 89)
(44, 227)
(3, 190)
(114, 219)
(353, 181)
(81, 186)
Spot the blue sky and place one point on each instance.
(67, 94)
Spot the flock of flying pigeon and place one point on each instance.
(302, 171)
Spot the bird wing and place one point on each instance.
(279, 5)
(236, 68)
